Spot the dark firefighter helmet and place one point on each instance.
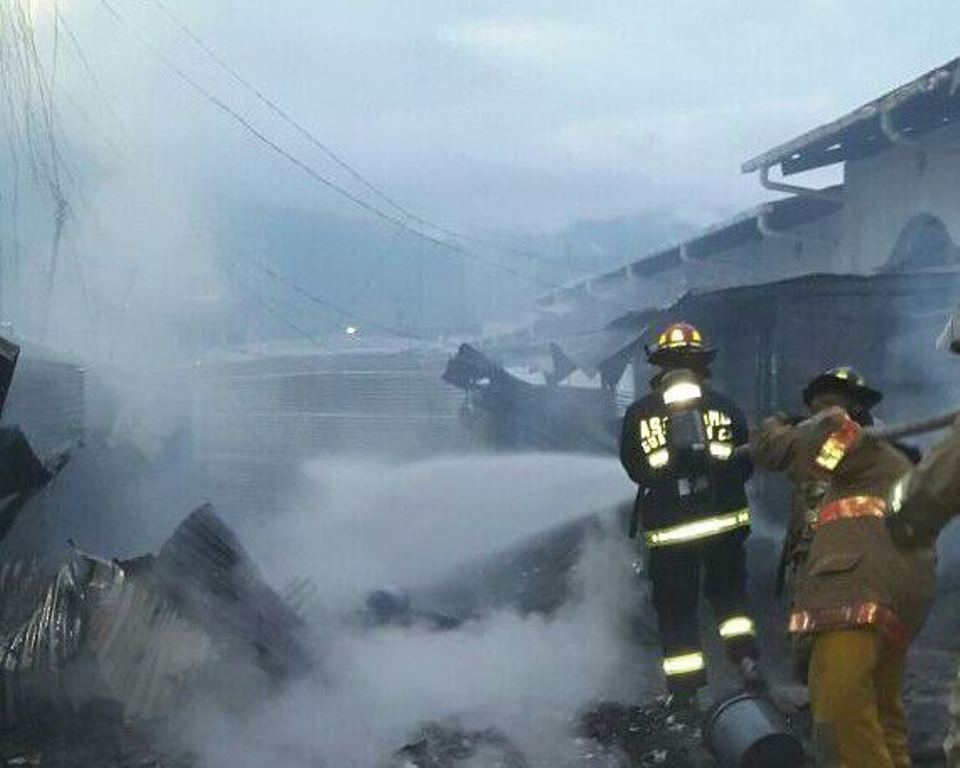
(843, 380)
(680, 344)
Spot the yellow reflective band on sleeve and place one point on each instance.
(698, 529)
(682, 392)
(659, 459)
(737, 626)
(722, 451)
(683, 665)
(831, 454)
(835, 448)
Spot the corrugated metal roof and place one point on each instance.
(918, 107)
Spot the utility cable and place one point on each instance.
(85, 64)
(277, 110)
(326, 304)
(308, 169)
(311, 136)
(275, 313)
(347, 311)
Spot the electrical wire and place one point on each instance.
(201, 230)
(326, 304)
(306, 168)
(245, 123)
(85, 64)
(312, 138)
(289, 120)
(275, 313)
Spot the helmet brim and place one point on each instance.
(679, 356)
(866, 396)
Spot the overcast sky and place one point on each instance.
(517, 115)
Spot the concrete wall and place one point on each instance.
(883, 193)
(803, 250)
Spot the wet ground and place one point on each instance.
(95, 740)
(609, 735)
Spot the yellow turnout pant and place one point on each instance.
(856, 687)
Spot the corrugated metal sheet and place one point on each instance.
(146, 652)
(324, 405)
(255, 421)
(42, 618)
(149, 626)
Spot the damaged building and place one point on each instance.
(867, 267)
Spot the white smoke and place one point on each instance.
(526, 675)
(358, 524)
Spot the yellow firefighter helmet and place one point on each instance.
(680, 343)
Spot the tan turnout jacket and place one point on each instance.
(854, 575)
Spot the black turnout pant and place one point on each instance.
(676, 573)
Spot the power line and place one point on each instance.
(347, 312)
(85, 64)
(326, 304)
(308, 169)
(276, 314)
(326, 182)
(312, 138)
(289, 120)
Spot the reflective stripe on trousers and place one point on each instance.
(736, 626)
(698, 529)
(684, 664)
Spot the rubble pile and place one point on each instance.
(129, 642)
(448, 745)
(609, 735)
(97, 736)
(649, 735)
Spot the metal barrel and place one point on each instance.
(747, 731)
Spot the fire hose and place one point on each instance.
(919, 427)
(893, 431)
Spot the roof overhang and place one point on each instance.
(780, 215)
(917, 108)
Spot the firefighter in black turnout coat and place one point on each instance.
(678, 446)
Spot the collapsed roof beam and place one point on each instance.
(833, 195)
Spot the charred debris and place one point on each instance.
(99, 654)
(877, 320)
(90, 645)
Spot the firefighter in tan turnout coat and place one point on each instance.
(859, 600)
(842, 387)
